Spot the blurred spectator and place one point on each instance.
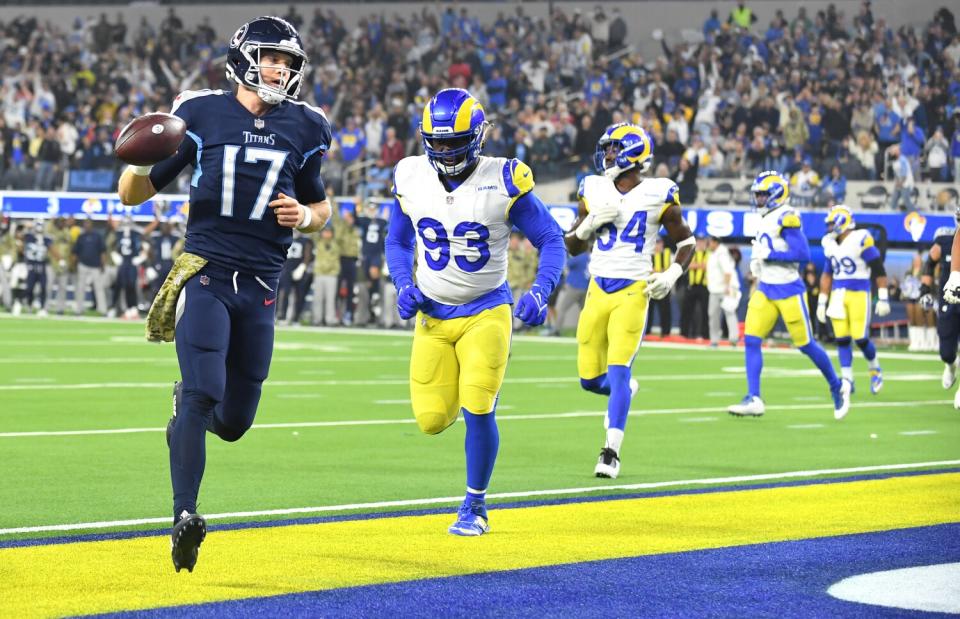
(90, 250)
(835, 186)
(573, 293)
(903, 180)
(864, 151)
(936, 152)
(804, 185)
(686, 180)
(326, 267)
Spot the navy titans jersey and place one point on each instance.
(162, 246)
(128, 244)
(35, 247)
(944, 238)
(240, 163)
(373, 231)
(298, 250)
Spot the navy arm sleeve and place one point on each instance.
(797, 248)
(164, 172)
(308, 184)
(399, 246)
(532, 218)
(876, 267)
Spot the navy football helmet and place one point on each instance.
(453, 129)
(246, 48)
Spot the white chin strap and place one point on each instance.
(614, 171)
(269, 97)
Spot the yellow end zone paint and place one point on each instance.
(94, 577)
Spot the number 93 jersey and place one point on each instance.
(462, 235)
(623, 248)
(848, 260)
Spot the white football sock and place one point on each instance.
(614, 439)
(847, 373)
(874, 363)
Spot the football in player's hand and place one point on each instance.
(150, 138)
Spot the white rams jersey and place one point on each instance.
(623, 249)
(847, 260)
(770, 232)
(462, 235)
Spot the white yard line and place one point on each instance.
(80, 526)
(918, 432)
(527, 417)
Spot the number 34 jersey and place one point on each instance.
(462, 235)
(623, 248)
(241, 162)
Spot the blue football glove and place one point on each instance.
(532, 307)
(409, 301)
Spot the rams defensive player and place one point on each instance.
(778, 249)
(454, 210)
(852, 260)
(624, 212)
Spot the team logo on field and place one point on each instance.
(204, 280)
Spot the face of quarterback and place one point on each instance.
(275, 67)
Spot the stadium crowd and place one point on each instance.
(823, 97)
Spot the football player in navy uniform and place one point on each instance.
(128, 253)
(36, 252)
(256, 156)
(948, 317)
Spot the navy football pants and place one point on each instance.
(948, 329)
(224, 341)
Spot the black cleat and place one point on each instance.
(608, 465)
(185, 540)
(177, 395)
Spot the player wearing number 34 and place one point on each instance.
(256, 157)
(622, 212)
(454, 210)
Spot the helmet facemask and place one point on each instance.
(452, 153)
(291, 77)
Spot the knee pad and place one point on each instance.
(434, 422)
(593, 384)
(861, 344)
(845, 341)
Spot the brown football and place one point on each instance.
(150, 138)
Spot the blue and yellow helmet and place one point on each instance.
(840, 219)
(635, 148)
(774, 187)
(453, 128)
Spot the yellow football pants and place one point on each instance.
(856, 323)
(762, 314)
(459, 362)
(611, 328)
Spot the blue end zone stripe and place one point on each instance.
(197, 171)
(90, 537)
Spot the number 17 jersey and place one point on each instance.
(241, 162)
(623, 248)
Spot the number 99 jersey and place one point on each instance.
(623, 248)
(462, 235)
(848, 260)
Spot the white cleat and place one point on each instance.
(949, 374)
(841, 401)
(750, 406)
(608, 465)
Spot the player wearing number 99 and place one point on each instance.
(778, 249)
(624, 212)
(455, 209)
(852, 258)
(256, 157)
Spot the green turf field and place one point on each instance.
(335, 433)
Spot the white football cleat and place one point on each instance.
(608, 465)
(841, 399)
(949, 374)
(750, 406)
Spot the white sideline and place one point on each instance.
(501, 495)
(569, 415)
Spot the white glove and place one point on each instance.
(298, 272)
(951, 290)
(660, 284)
(883, 303)
(604, 213)
(759, 250)
(139, 260)
(586, 228)
(756, 265)
(822, 308)
(116, 258)
(829, 242)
